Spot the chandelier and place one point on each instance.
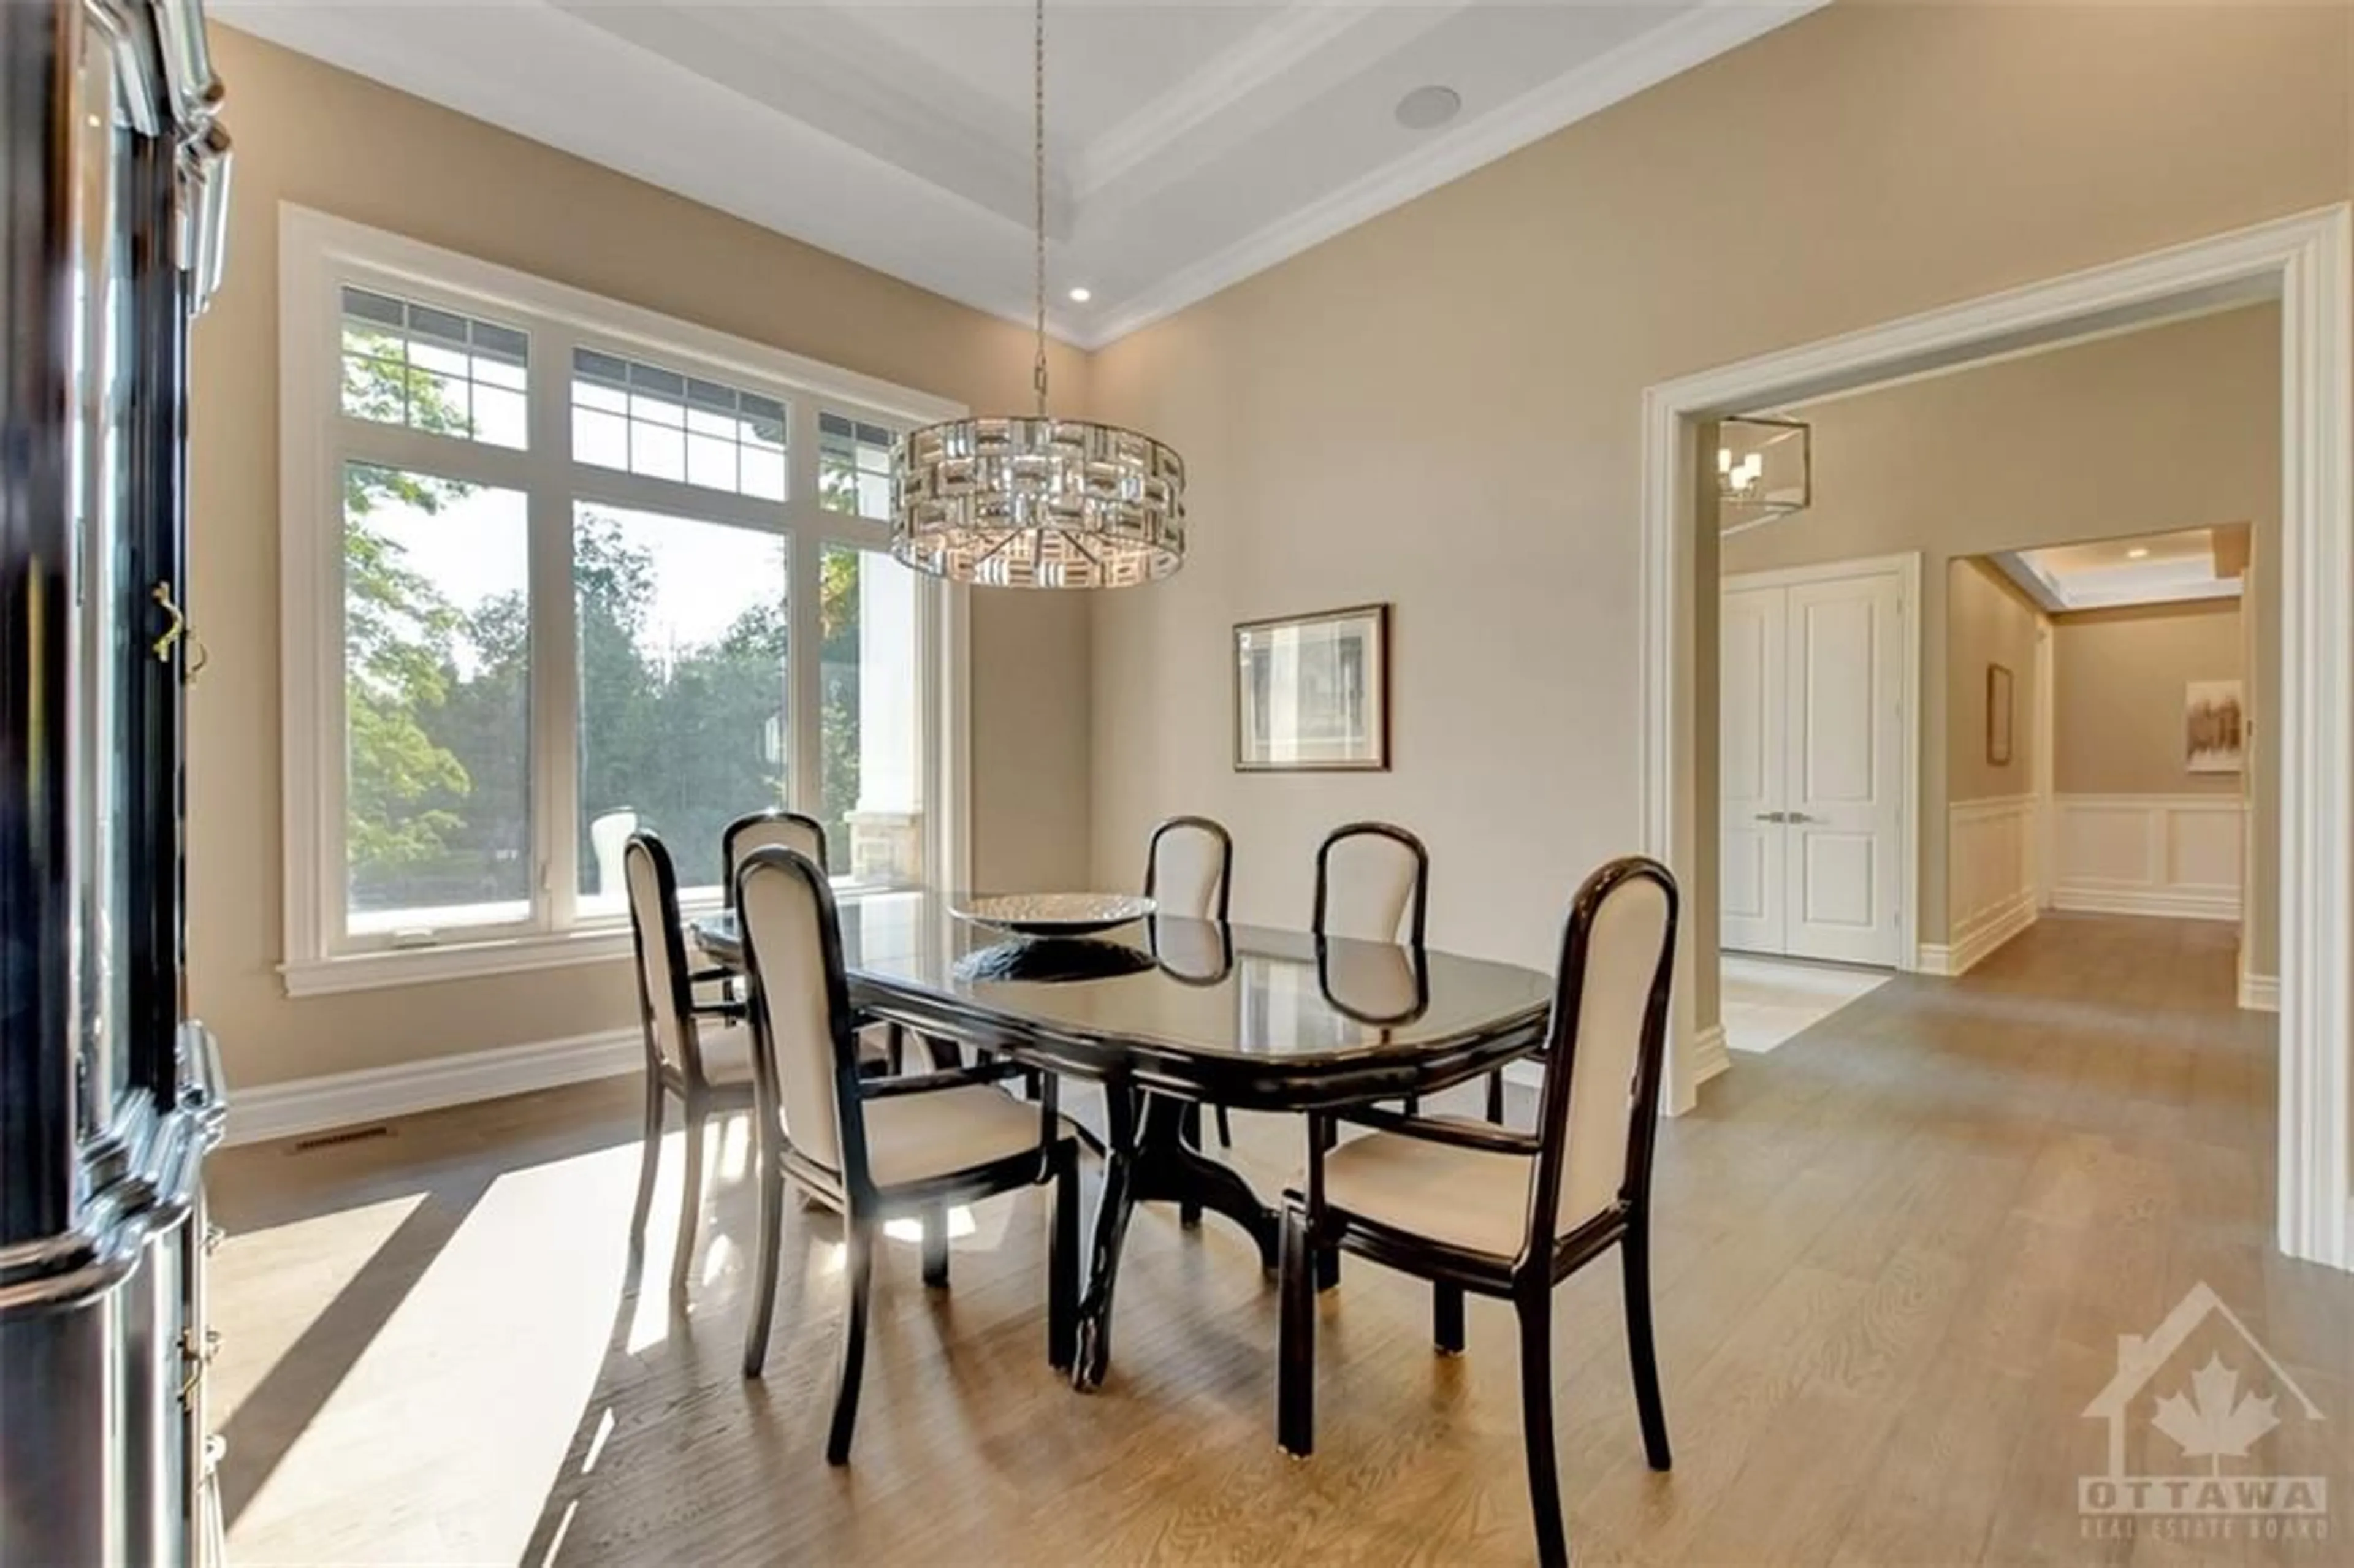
(1764, 470)
(1030, 500)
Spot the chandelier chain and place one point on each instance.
(1038, 190)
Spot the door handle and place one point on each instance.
(1796, 817)
(1772, 816)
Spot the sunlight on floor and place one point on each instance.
(520, 1303)
(487, 1326)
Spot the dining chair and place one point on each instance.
(872, 1148)
(708, 1069)
(759, 829)
(775, 827)
(1189, 874)
(1473, 1207)
(1372, 885)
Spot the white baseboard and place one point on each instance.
(2171, 904)
(2260, 993)
(1710, 1057)
(342, 1099)
(1976, 943)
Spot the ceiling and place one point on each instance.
(2149, 568)
(1190, 145)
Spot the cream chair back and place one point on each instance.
(1189, 869)
(802, 1044)
(1372, 884)
(663, 994)
(1606, 1046)
(767, 830)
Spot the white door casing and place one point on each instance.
(1750, 760)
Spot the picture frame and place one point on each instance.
(2214, 727)
(1999, 715)
(1312, 692)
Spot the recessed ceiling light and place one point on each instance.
(1081, 295)
(1428, 107)
(2137, 553)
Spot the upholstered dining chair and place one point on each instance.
(1189, 875)
(1372, 885)
(879, 1043)
(872, 1147)
(1469, 1206)
(759, 829)
(697, 1051)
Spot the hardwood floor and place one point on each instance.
(1894, 1262)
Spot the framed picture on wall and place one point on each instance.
(2214, 727)
(1999, 713)
(1312, 692)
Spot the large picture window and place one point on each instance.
(558, 570)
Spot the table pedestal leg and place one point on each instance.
(1149, 1161)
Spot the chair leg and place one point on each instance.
(1635, 1265)
(1295, 1372)
(859, 1267)
(1536, 1424)
(1496, 1096)
(1062, 1263)
(1189, 1131)
(1414, 1105)
(764, 1280)
(648, 1163)
(1225, 1129)
(690, 1203)
(894, 1047)
(935, 1246)
(1447, 1317)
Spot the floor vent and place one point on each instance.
(343, 1135)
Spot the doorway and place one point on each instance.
(2302, 262)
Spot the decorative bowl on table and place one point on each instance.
(1053, 913)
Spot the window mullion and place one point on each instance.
(804, 745)
(555, 640)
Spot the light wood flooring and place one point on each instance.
(1894, 1258)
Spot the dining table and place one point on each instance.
(1169, 1015)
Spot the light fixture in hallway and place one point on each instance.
(1029, 500)
(1764, 470)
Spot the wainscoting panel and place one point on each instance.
(1990, 881)
(2176, 855)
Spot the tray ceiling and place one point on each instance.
(1190, 145)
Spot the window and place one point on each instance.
(528, 615)
(657, 422)
(433, 370)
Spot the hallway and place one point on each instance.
(1894, 1260)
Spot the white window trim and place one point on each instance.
(317, 255)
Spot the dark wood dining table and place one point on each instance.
(1171, 1014)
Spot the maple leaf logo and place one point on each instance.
(2216, 1419)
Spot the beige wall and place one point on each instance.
(313, 136)
(1987, 622)
(1440, 408)
(2117, 706)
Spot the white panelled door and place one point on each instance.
(1812, 767)
(1750, 770)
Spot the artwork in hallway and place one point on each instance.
(1312, 692)
(2213, 728)
(1999, 715)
